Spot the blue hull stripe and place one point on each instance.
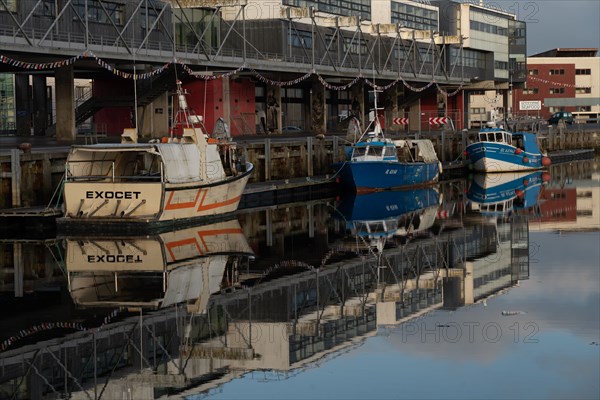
(381, 175)
(508, 190)
(502, 152)
(385, 204)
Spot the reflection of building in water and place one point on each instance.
(572, 200)
(284, 317)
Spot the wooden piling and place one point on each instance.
(15, 169)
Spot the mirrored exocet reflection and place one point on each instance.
(336, 298)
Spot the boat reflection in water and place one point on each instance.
(378, 216)
(504, 193)
(155, 271)
(205, 315)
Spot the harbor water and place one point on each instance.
(486, 287)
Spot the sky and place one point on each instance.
(556, 23)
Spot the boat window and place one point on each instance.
(499, 137)
(359, 151)
(508, 138)
(500, 207)
(375, 151)
(389, 151)
(490, 137)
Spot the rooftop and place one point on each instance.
(569, 52)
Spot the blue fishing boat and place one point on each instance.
(375, 162)
(499, 150)
(502, 194)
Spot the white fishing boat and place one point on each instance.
(170, 182)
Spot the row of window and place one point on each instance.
(414, 17)
(105, 12)
(361, 8)
(583, 71)
(470, 58)
(579, 90)
(488, 28)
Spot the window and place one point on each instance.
(557, 71)
(116, 12)
(533, 72)
(584, 71)
(46, 9)
(11, 5)
(375, 151)
(533, 90)
(478, 110)
(583, 90)
(302, 39)
(500, 65)
(151, 17)
(557, 90)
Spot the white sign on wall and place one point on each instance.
(530, 105)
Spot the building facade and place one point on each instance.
(562, 79)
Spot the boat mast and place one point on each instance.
(377, 131)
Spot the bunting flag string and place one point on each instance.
(47, 326)
(262, 78)
(338, 87)
(448, 94)
(377, 87)
(191, 72)
(548, 82)
(271, 82)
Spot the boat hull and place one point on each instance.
(132, 204)
(501, 157)
(368, 176)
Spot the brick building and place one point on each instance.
(562, 79)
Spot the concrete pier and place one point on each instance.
(29, 179)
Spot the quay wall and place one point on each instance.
(34, 178)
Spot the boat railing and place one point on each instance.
(111, 175)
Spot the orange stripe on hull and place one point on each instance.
(170, 246)
(178, 206)
(203, 207)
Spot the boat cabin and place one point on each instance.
(374, 151)
(497, 136)
(405, 151)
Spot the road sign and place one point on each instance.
(438, 120)
(400, 121)
(530, 105)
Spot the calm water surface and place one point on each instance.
(479, 288)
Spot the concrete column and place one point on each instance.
(273, 112)
(415, 116)
(40, 105)
(22, 104)
(19, 269)
(318, 109)
(227, 102)
(357, 93)
(65, 104)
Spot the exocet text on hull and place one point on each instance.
(109, 194)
